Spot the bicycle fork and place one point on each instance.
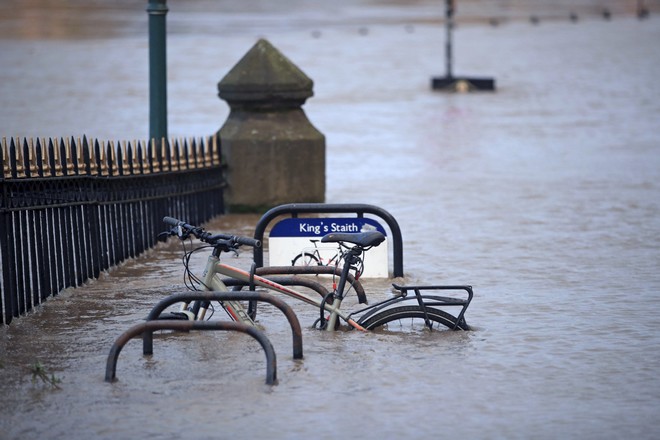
(234, 308)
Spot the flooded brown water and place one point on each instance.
(544, 196)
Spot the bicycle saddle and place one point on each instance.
(362, 239)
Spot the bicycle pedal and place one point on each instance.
(190, 315)
(179, 316)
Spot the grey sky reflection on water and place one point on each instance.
(543, 195)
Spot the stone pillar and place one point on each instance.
(274, 154)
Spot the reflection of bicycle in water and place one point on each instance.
(312, 256)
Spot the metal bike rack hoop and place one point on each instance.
(296, 330)
(151, 326)
(333, 208)
(283, 280)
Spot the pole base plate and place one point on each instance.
(462, 84)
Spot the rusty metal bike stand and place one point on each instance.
(283, 280)
(150, 326)
(267, 271)
(286, 275)
(148, 337)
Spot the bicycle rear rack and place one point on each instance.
(439, 301)
(150, 326)
(423, 300)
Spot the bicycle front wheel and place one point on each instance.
(306, 259)
(412, 319)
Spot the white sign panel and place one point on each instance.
(298, 241)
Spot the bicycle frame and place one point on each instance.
(237, 311)
(427, 307)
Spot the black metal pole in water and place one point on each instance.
(157, 10)
(186, 326)
(449, 25)
(450, 82)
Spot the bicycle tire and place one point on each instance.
(305, 259)
(413, 313)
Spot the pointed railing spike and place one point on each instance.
(4, 159)
(13, 172)
(68, 158)
(153, 157)
(209, 148)
(139, 153)
(205, 153)
(39, 156)
(52, 157)
(20, 169)
(100, 158)
(174, 153)
(62, 158)
(111, 159)
(87, 157)
(130, 158)
(120, 160)
(27, 158)
(196, 160)
(73, 162)
(166, 164)
(184, 164)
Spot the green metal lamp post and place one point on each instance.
(157, 10)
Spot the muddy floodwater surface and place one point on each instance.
(543, 195)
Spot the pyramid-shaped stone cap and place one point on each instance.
(265, 77)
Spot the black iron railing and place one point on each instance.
(70, 209)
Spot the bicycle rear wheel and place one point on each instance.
(306, 259)
(411, 319)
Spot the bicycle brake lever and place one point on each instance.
(169, 233)
(179, 232)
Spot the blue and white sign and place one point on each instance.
(298, 241)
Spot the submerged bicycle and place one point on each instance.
(409, 307)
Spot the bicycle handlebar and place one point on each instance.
(247, 241)
(209, 238)
(174, 222)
